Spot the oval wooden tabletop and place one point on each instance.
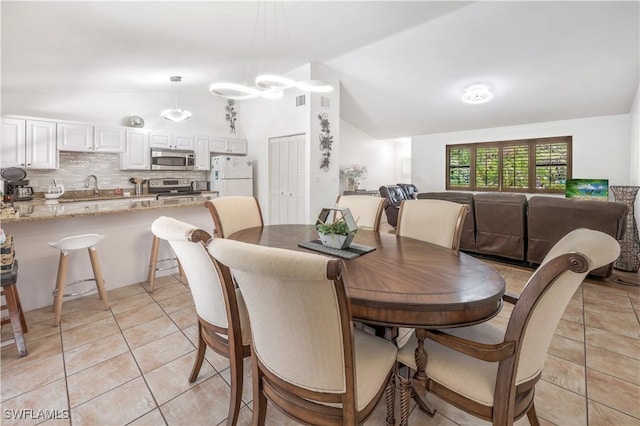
(404, 282)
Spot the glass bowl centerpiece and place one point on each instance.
(336, 227)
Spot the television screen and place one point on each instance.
(588, 189)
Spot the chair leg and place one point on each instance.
(236, 367)
(202, 348)
(259, 399)
(531, 415)
(97, 274)
(390, 393)
(57, 301)
(405, 398)
(153, 263)
(10, 293)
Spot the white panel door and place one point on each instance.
(287, 187)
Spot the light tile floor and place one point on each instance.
(129, 365)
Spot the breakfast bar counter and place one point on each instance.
(124, 252)
(36, 210)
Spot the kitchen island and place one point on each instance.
(124, 252)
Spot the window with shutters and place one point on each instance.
(540, 165)
(458, 167)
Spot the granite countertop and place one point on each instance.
(41, 209)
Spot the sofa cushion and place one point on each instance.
(501, 224)
(468, 238)
(551, 218)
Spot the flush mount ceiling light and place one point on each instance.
(269, 86)
(477, 94)
(175, 113)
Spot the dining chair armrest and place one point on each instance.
(510, 298)
(485, 352)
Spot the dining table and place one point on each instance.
(403, 282)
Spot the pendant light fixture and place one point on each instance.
(175, 113)
(269, 86)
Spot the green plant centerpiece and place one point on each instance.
(336, 227)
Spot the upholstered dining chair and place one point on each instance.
(308, 360)
(491, 373)
(223, 324)
(234, 213)
(365, 209)
(434, 221)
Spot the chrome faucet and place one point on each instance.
(95, 188)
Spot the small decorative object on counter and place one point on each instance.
(138, 182)
(336, 227)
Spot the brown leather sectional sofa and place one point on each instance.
(510, 226)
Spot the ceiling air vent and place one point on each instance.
(324, 102)
(300, 100)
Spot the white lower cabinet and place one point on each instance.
(137, 155)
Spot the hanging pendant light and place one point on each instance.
(175, 113)
(268, 86)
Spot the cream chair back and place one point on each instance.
(233, 214)
(434, 221)
(599, 249)
(294, 310)
(200, 270)
(366, 210)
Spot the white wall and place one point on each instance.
(383, 158)
(115, 108)
(273, 118)
(601, 148)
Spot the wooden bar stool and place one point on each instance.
(153, 264)
(66, 246)
(16, 316)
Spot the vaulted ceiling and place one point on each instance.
(402, 65)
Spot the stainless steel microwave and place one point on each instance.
(170, 159)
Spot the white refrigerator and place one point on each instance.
(231, 176)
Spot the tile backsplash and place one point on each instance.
(76, 166)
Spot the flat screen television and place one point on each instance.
(588, 189)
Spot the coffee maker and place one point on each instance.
(16, 187)
(19, 190)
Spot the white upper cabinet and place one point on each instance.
(227, 146)
(136, 156)
(203, 156)
(161, 139)
(75, 137)
(183, 142)
(28, 143)
(13, 150)
(109, 139)
(87, 138)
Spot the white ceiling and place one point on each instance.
(402, 65)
